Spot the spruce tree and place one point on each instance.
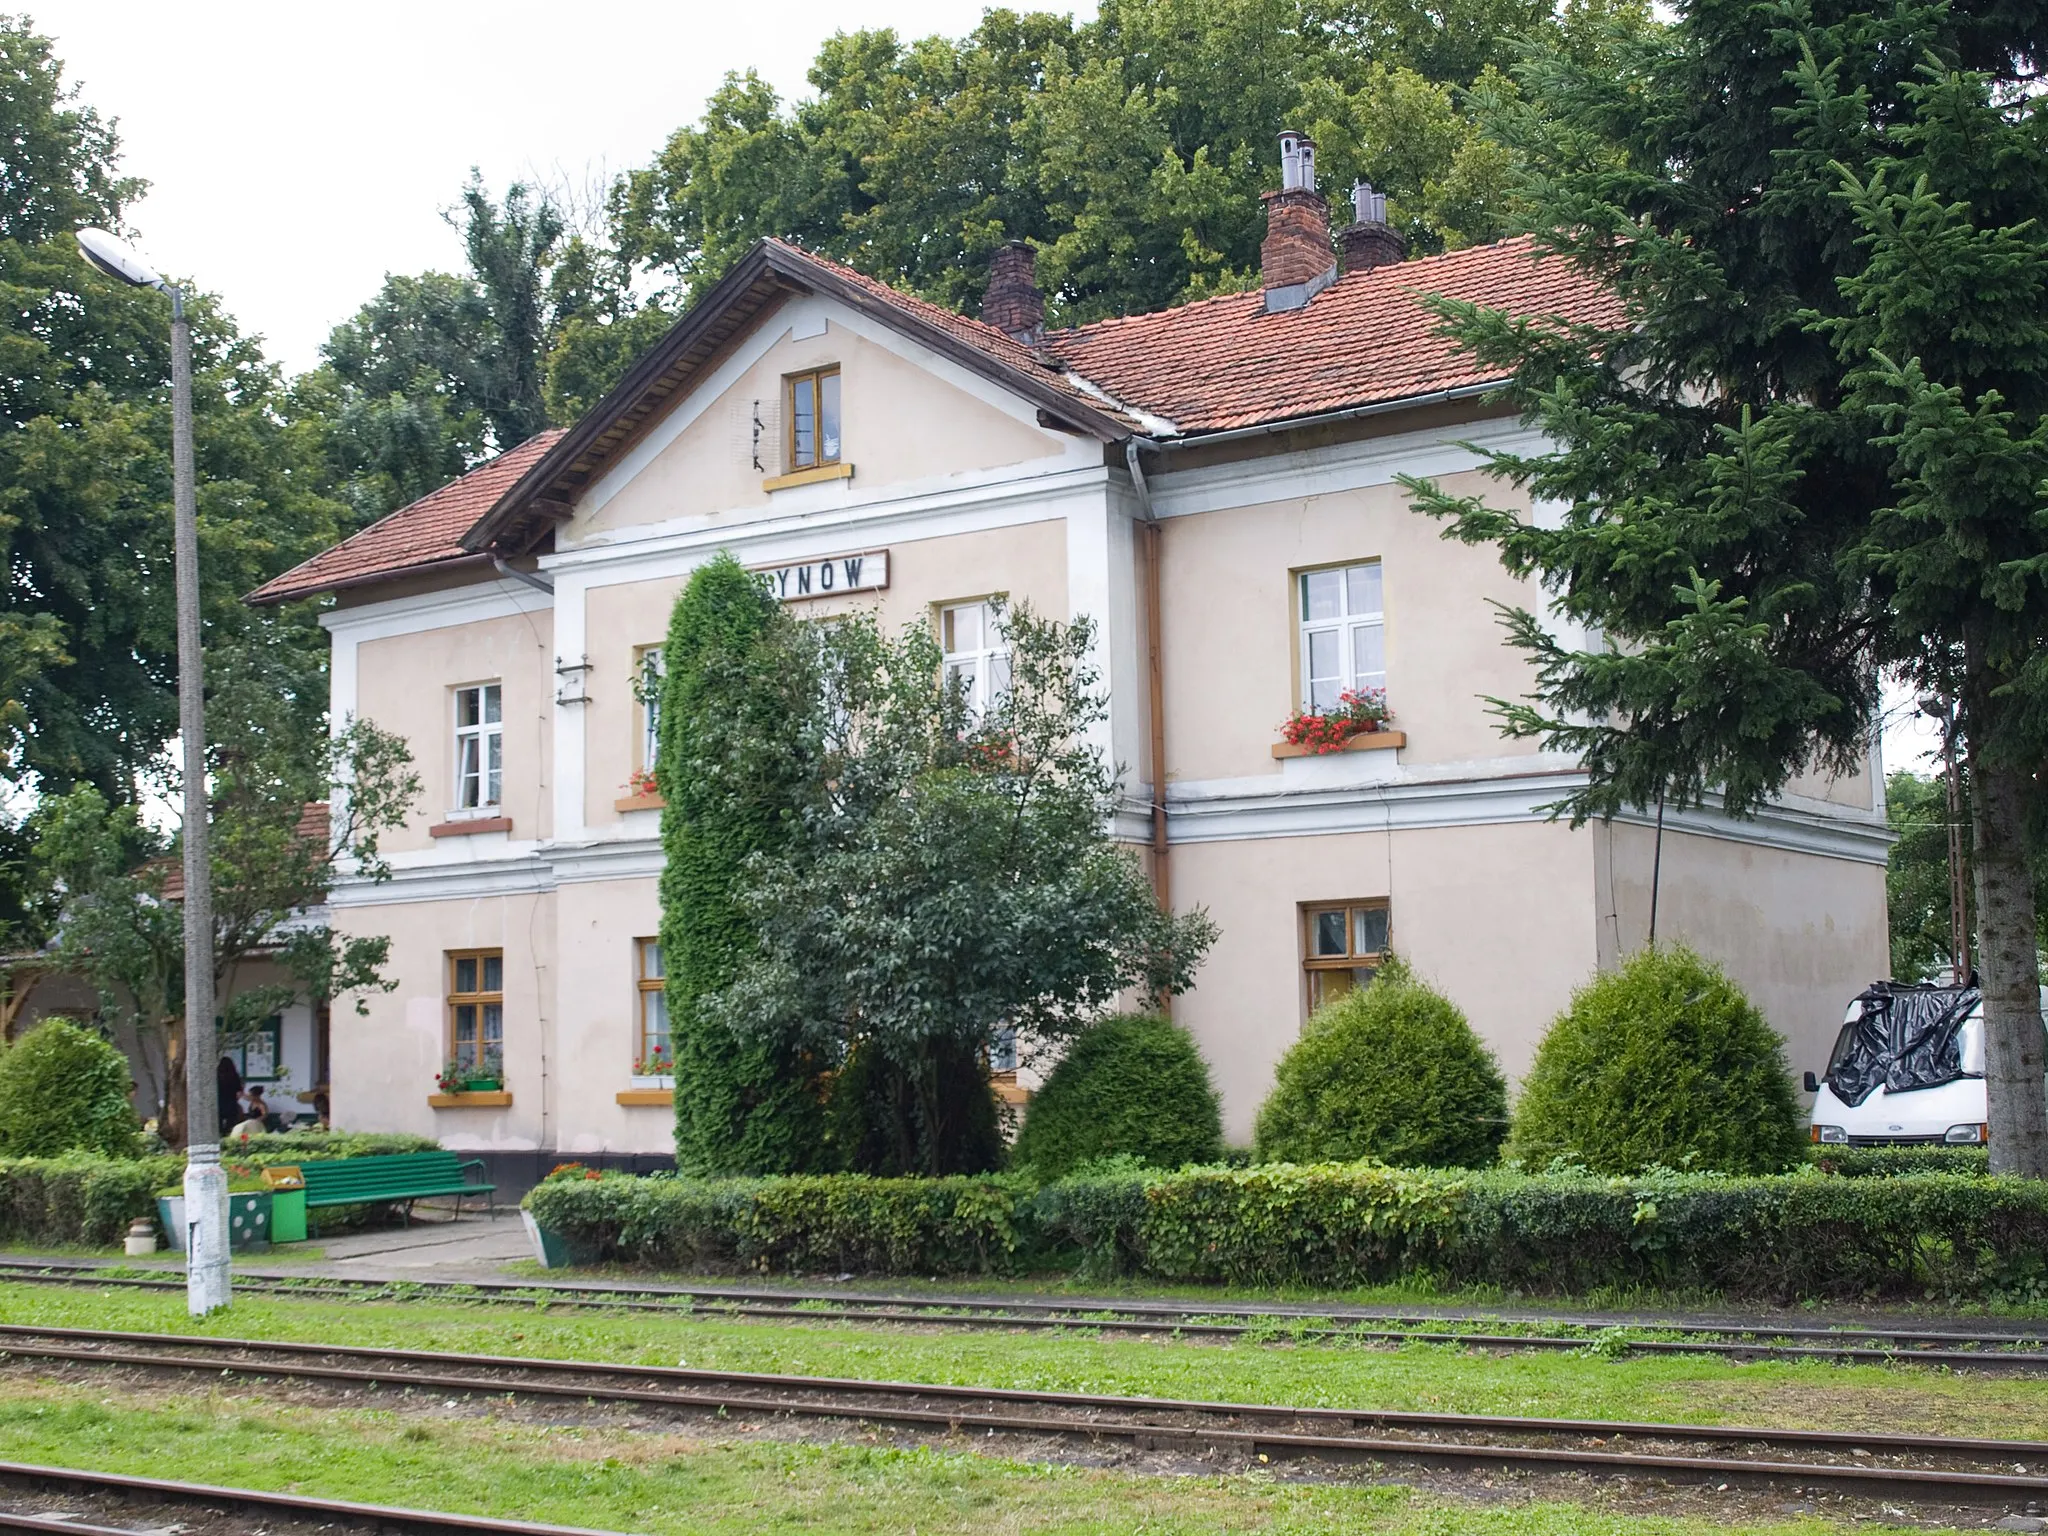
(735, 760)
(1807, 450)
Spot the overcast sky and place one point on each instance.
(297, 151)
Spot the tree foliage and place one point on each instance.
(1132, 1085)
(1662, 1063)
(1391, 1071)
(1917, 877)
(736, 761)
(1808, 449)
(64, 1089)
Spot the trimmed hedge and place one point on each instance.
(65, 1089)
(1781, 1237)
(1132, 1084)
(80, 1199)
(1888, 1162)
(1391, 1071)
(1662, 1063)
(838, 1222)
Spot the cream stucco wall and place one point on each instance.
(1800, 932)
(900, 422)
(600, 920)
(1230, 632)
(1026, 561)
(1498, 916)
(384, 1063)
(405, 683)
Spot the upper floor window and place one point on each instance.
(813, 418)
(479, 746)
(977, 653)
(1343, 634)
(1342, 947)
(647, 693)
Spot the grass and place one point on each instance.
(667, 1483)
(1580, 1384)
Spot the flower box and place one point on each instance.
(248, 1220)
(1365, 741)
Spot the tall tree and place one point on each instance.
(736, 753)
(86, 632)
(1809, 447)
(1131, 150)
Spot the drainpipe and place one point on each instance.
(1162, 882)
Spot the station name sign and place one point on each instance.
(833, 577)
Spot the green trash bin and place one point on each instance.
(288, 1216)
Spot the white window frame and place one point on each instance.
(647, 676)
(487, 781)
(1346, 626)
(987, 661)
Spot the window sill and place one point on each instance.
(471, 827)
(1008, 1089)
(498, 1099)
(1369, 741)
(808, 477)
(653, 802)
(646, 1098)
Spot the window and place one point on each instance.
(647, 693)
(476, 1009)
(1343, 946)
(1002, 1052)
(1343, 645)
(651, 1056)
(977, 653)
(813, 419)
(479, 746)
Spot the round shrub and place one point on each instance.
(1390, 1071)
(64, 1089)
(1132, 1084)
(1661, 1063)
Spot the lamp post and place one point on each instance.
(206, 1185)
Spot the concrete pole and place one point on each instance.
(206, 1183)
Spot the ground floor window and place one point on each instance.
(476, 1008)
(1342, 946)
(651, 1054)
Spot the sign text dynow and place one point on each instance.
(833, 577)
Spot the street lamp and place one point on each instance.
(206, 1185)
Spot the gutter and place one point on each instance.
(1321, 419)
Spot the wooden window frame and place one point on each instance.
(1315, 966)
(480, 1000)
(484, 731)
(1344, 625)
(815, 377)
(643, 984)
(979, 699)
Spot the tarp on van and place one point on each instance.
(1904, 1038)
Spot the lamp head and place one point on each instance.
(113, 257)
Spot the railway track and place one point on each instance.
(91, 1504)
(1988, 1350)
(1973, 1473)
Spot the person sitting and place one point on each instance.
(256, 1119)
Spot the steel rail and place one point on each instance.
(1994, 1351)
(1147, 1421)
(393, 1519)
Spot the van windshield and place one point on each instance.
(1902, 1038)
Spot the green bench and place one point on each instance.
(398, 1179)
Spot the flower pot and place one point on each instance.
(482, 1084)
(170, 1214)
(551, 1249)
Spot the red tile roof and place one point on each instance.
(1224, 362)
(425, 534)
(1210, 366)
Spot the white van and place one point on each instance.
(1907, 1067)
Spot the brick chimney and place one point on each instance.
(1369, 240)
(1013, 304)
(1296, 260)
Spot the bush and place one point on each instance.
(1661, 1063)
(79, 1199)
(832, 1222)
(1887, 1162)
(318, 1146)
(64, 1089)
(1333, 1226)
(1133, 1084)
(872, 1123)
(1390, 1071)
